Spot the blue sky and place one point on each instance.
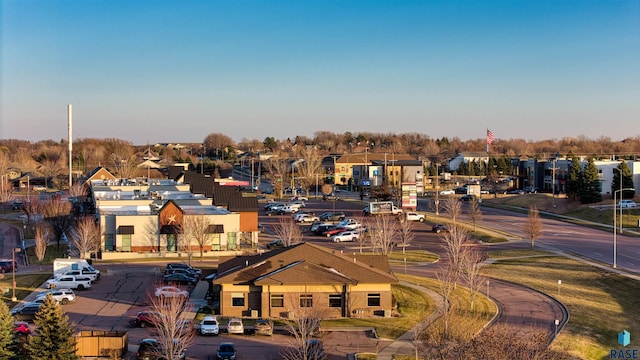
(175, 71)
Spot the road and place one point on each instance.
(121, 293)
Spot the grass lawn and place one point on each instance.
(25, 285)
(413, 256)
(600, 303)
(413, 305)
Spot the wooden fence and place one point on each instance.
(93, 343)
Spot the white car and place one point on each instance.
(447, 192)
(299, 198)
(414, 216)
(209, 326)
(626, 204)
(170, 291)
(235, 326)
(63, 296)
(351, 235)
(305, 218)
(350, 224)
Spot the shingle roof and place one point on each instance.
(305, 263)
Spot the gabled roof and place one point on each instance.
(305, 263)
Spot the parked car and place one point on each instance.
(305, 218)
(263, 327)
(298, 203)
(626, 204)
(447, 192)
(63, 296)
(147, 318)
(334, 230)
(414, 216)
(183, 266)
(226, 351)
(21, 327)
(26, 312)
(299, 198)
(350, 235)
(330, 197)
(467, 197)
(333, 216)
(7, 266)
(209, 325)
(185, 271)
(179, 279)
(438, 228)
(316, 224)
(350, 223)
(235, 326)
(170, 291)
(275, 244)
(149, 349)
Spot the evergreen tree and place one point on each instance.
(627, 181)
(590, 192)
(55, 339)
(8, 346)
(574, 181)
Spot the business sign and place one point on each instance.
(409, 195)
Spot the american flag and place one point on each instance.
(489, 137)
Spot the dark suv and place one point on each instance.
(150, 349)
(26, 312)
(333, 216)
(147, 318)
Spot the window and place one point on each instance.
(237, 299)
(277, 300)
(109, 243)
(215, 242)
(335, 300)
(231, 241)
(306, 300)
(373, 299)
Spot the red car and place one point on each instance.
(22, 327)
(335, 230)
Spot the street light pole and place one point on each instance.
(615, 246)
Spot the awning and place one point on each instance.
(215, 229)
(125, 230)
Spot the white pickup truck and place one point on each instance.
(93, 276)
(414, 216)
(69, 282)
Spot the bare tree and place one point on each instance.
(277, 171)
(41, 236)
(31, 209)
(85, 236)
(57, 213)
(169, 326)
(533, 225)
(453, 207)
(123, 158)
(447, 277)
(195, 227)
(406, 234)
(303, 327)
(454, 241)
(78, 190)
(6, 189)
(53, 164)
(474, 212)
(288, 232)
(310, 170)
(385, 232)
(217, 142)
(471, 262)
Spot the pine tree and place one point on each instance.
(574, 182)
(55, 339)
(591, 189)
(627, 181)
(8, 346)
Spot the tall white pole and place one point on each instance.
(70, 126)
